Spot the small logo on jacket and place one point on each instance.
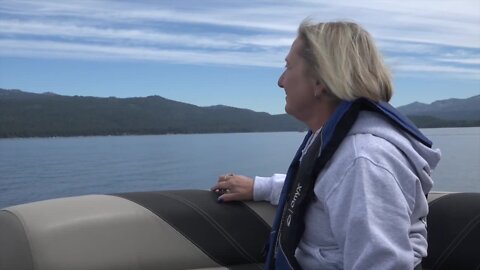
(291, 209)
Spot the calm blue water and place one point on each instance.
(42, 168)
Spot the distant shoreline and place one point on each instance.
(175, 134)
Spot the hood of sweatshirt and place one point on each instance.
(423, 158)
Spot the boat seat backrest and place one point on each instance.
(185, 229)
(454, 232)
(189, 230)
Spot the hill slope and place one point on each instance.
(448, 109)
(445, 113)
(24, 114)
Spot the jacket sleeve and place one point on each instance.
(370, 218)
(268, 188)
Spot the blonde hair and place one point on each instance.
(343, 56)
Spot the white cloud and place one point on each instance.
(463, 61)
(46, 49)
(258, 33)
(442, 70)
(415, 67)
(139, 36)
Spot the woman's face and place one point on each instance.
(299, 87)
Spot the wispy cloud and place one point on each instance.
(427, 37)
(138, 36)
(45, 49)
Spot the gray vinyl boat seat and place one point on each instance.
(187, 229)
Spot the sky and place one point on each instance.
(212, 52)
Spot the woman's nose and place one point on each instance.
(280, 81)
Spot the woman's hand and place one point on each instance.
(232, 187)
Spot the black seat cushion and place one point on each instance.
(454, 232)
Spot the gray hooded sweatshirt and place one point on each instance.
(369, 205)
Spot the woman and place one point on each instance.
(354, 195)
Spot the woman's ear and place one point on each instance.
(320, 89)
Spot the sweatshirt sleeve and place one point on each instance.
(268, 188)
(370, 218)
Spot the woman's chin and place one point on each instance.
(289, 110)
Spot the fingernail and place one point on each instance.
(220, 200)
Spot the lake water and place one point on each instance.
(43, 168)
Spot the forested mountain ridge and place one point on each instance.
(448, 109)
(24, 114)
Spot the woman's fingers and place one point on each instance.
(223, 184)
(230, 197)
(220, 186)
(234, 188)
(222, 181)
(225, 177)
